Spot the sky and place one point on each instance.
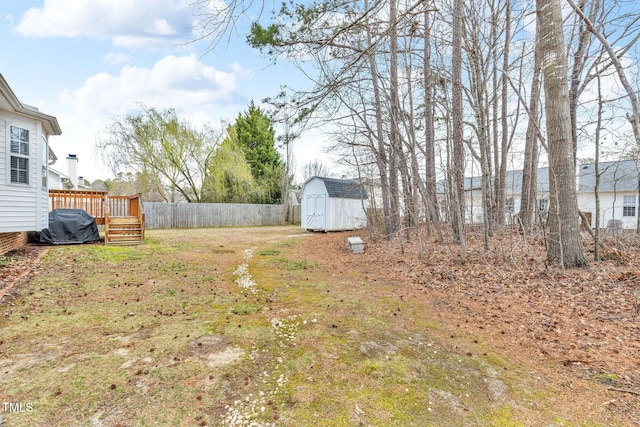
(90, 62)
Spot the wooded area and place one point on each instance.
(424, 92)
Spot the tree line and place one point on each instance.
(168, 159)
(419, 92)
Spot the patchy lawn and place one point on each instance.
(272, 326)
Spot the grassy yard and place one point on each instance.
(235, 327)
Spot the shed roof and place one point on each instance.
(343, 188)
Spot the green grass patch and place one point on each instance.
(246, 309)
(293, 265)
(5, 261)
(268, 252)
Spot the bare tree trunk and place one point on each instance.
(576, 71)
(458, 208)
(394, 136)
(429, 132)
(565, 242)
(381, 157)
(528, 200)
(596, 189)
(504, 146)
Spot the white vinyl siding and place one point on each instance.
(42, 179)
(611, 208)
(3, 153)
(21, 204)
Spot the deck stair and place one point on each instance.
(124, 230)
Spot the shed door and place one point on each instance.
(315, 212)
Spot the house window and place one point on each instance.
(629, 206)
(543, 205)
(19, 155)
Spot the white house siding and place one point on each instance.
(474, 213)
(3, 153)
(20, 204)
(42, 183)
(54, 180)
(611, 208)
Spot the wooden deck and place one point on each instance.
(122, 216)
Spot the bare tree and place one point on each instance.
(315, 168)
(528, 194)
(565, 242)
(457, 129)
(429, 131)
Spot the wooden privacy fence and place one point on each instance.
(203, 215)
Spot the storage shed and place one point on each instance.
(330, 204)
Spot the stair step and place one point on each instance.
(127, 232)
(126, 243)
(124, 220)
(125, 236)
(124, 230)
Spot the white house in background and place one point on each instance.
(329, 204)
(618, 192)
(513, 186)
(24, 164)
(71, 181)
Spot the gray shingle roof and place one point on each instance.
(513, 184)
(344, 189)
(621, 175)
(614, 176)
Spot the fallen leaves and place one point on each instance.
(585, 320)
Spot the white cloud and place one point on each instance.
(119, 20)
(199, 93)
(240, 71)
(173, 82)
(115, 58)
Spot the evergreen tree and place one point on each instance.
(256, 137)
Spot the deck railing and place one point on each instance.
(98, 204)
(94, 202)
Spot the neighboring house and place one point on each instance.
(60, 181)
(513, 186)
(329, 204)
(24, 161)
(618, 193)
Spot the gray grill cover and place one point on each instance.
(69, 226)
